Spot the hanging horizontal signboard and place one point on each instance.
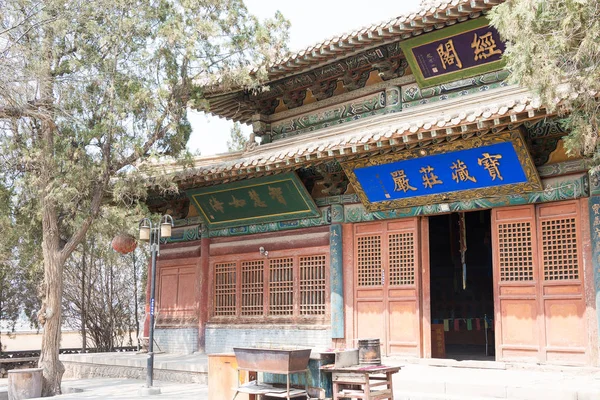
(460, 51)
(267, 199)
(480, 167)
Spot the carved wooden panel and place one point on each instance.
(369, 260)
(539, 295)
(515, 250)
(387, 275)
(562, 292)
(515, 289)
(252, 287)
(312, 285)
(559, 249)
(285, 286)
(225, 289)
(281, 286)
(401, 258)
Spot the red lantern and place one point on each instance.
(124, 243)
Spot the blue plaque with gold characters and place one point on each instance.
(456, 52)
(268, 199)
(486, 166)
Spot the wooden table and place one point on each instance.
(265, 389)
(362, 382)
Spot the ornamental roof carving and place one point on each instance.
(432, 14)
(347, 58)
(487, 112)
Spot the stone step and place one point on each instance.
(424, 390)
(420, 382)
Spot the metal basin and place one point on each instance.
(277, 361)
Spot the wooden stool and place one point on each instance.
(369, 383)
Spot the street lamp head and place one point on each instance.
(145, 229)
(166, 223)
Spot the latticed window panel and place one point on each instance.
(281, 286)
(402, 258)
(225, 289)
(252, 282)
(369, 260)
(559, 249)
(515, 251)
(312, 285)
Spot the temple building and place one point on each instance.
(395, 187)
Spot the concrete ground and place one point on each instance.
(118, 388)
(107, 388)
(417, 380)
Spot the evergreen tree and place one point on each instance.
(553, 49)
(88, 89)
(237, 140)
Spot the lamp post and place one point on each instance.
(152, 233)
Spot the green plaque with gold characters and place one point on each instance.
(251, 201)
(460, 51)
(480, 167)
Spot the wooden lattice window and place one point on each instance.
(312, 285)
(252, 275)
(281, 286)
(516, 253)
(369, 261)
(225, 282)
(402, 258)
(559, 249)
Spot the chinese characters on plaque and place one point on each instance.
(267, 199)
(463, 50)
(489, 162)
(275, 193)
(480, 167)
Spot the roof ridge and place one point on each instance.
(423, 10)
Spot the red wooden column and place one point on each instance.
(425, 289)
(203, 291)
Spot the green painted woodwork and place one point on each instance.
(184, 234)
(267, 199)
(323, 219)
(412, 95)
(384, 102)
(562, 188)
(594, 175)
(564, 168)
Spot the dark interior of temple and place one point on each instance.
(463, 314)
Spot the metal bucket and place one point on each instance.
(369, 352)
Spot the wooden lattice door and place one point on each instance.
(538, 290)
(387, 296)
(516, 283)
(561, 291)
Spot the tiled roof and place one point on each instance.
(433, 15)
(483, 113)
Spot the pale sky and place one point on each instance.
(312, 21)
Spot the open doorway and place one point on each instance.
(462, 299)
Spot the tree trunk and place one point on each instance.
(83, 302)
(53, 368)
